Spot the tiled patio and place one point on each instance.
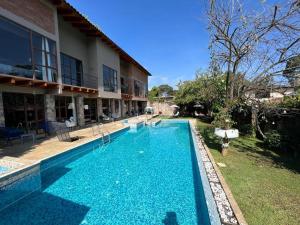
(50, 146)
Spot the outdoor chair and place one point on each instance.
(10, 134)
(70, 122)
(64, 135)
(176, 114)
(105, 119)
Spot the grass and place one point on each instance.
(265, 185)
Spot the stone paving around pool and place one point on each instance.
(229, 212)
(51, 146)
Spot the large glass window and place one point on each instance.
(71, 69)
(110, 79)
(64, 108)
(15, 51)
(44, 58)
(26, 53)
(139, 90)
(23, 110)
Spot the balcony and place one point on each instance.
(76, 84)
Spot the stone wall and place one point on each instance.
(80, 110)
(50, 113)
(163, 107)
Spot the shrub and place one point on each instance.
(273, 140)
(223, 120)
(245, 129)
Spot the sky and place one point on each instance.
(168, 37)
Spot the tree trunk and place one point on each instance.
(254, 120)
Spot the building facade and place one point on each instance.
(55, 64)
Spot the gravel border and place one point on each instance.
(230, 213)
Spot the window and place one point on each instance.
(90, 110)
(110, 79)
(71, 69)
(26, 53)
(44, 58)
(139, 89)
(124, 85)
(23, 110)
(15, 54)
(63, 107)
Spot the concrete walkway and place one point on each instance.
(51, 146)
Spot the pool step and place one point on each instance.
(106, 137)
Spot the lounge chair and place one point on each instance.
(176, 114)
(197, 114)
(105, 119)
(115, 116)
(70, 122)
(64, 135)
(10, 134)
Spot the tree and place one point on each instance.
(153, 93)
(165, 89)
(253, 46)
(207, 89)
(292, 71)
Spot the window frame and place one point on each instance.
(73, 81)
(53, 55)
(111, 82)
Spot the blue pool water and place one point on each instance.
(147, 177)
(3, 169)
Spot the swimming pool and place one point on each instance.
(146, 177)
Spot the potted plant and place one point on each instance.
(223, 129)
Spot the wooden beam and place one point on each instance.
(65, 11)
(24, 82)
(56, 2)
(43, 85)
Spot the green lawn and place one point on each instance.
(265, 185)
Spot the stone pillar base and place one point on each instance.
(80, 110)
(50, 113)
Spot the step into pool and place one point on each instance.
(146, 177)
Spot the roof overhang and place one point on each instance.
(71, 15)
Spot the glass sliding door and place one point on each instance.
(23, 110)
(64, 107)
(90, 110)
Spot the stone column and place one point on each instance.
(2, 118)
(80, 110)
(123, 108)
(50, 112)
(135, 106)
(120, 107)
(99, 108)
(112, 103)
(129, 107)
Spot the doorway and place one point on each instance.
(23, 110)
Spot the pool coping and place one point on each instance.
(221, 192)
